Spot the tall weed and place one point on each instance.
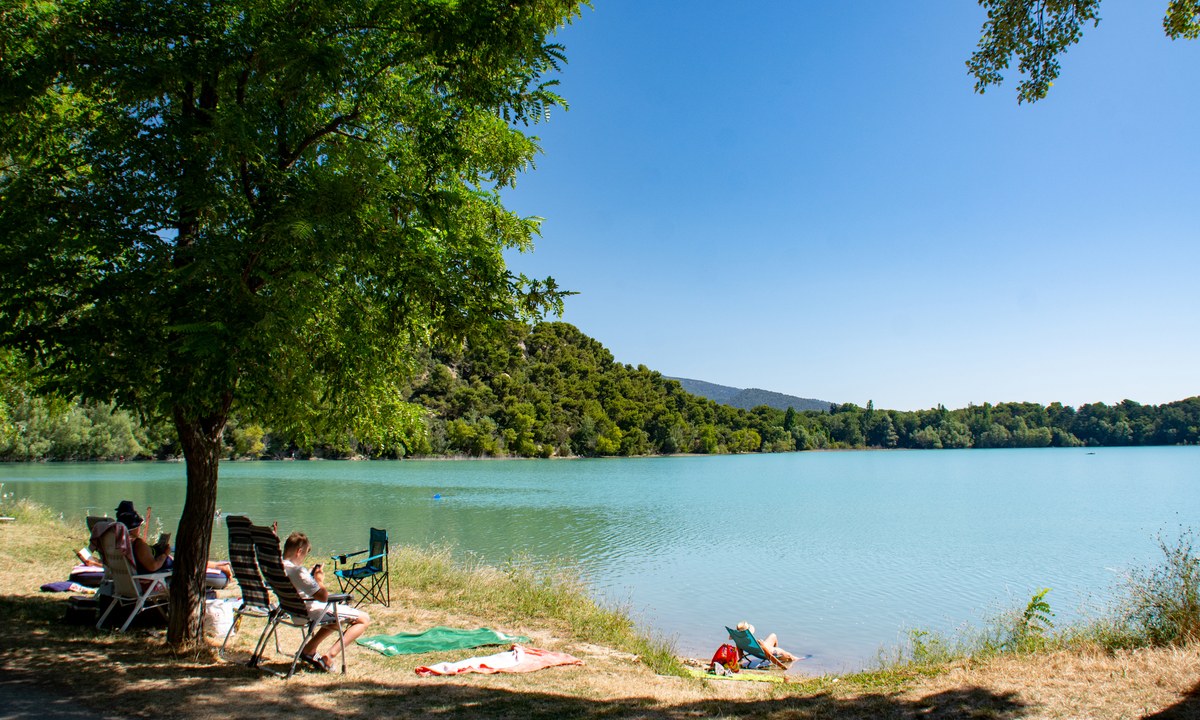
(1162, 602)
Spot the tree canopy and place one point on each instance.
(1037, 32)
(262, 207)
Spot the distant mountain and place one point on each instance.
(747, 398)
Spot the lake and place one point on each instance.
(840, 553)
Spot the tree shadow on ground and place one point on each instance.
(125, 675)
(1186, 709)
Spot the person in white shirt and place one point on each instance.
(311, 586)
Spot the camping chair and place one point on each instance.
(292, 609)
(256, 601)
(368, 576)
(747, 644)
(144, 592)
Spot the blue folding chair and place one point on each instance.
(747, 644)
(368, 578)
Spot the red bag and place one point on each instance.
(726, 655)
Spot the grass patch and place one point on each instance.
(522, 591)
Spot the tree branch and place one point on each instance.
(289, 159)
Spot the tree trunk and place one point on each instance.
(201, 439)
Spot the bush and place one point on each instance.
(1163, 601)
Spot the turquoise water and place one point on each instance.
(840, 553)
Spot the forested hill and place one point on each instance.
(549, 390)
(750, 398)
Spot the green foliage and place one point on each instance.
(263, 209)
(1163, 601)
(549, 390)
(1182, 19)
(1037, 32)
(1031, 626)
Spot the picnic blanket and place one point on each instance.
(437, 638)
(519, 659)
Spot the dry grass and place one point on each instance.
(138, 675)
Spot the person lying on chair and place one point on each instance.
(311, 586)
(770, 643)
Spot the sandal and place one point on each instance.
(318, 662)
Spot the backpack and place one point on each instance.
(726, 656)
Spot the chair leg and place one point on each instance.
(137, 608)
(237, 621)
(306, 633)
(113, 602)
(342, 643)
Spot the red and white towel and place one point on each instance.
(519, 659)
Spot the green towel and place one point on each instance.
(437, 638)
(744, 675)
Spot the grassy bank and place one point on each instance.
(137, 675)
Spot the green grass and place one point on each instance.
(522, 591)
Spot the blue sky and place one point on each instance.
(808, 197)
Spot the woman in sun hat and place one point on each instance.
(147, 558)
(153, 558)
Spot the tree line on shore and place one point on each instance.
(548, 390)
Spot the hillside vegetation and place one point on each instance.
(550, 391)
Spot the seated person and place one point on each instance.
(311, 586)
(153, 558)
(770, 643)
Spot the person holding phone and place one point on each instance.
(311, 586)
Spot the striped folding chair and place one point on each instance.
(256, 601)
(292, 608)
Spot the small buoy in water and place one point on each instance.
(437, 496)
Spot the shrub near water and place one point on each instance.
(1163, 601)
(1157, 605)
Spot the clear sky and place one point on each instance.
(808, 197)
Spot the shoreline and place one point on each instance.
(95, 674)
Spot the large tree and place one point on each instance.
(1037, 32)
(261, 207)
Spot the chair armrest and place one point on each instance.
(341, 557)
(339, 598)
(154, 578)
(771, 656)
(365, 561)
(163, 575)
